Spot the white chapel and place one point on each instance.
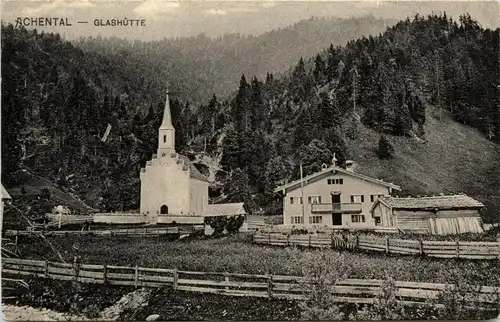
(171, 184)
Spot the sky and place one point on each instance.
(167, 19)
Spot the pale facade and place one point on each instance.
(333, 197)
(170, 183)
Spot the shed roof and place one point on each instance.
(341, 170)
(435, 202)
(4, 194)
(226, 209)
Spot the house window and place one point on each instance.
(377, 221)
(335, 181)
(358, 218)
(357, 198)
(164, 138)
(314, 199)
(316, 219)
(375, 197)
(295, 200)
(291, 200)
(297, 220)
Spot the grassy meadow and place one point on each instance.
(237, 254)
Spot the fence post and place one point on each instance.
(332, 240)
(287, 239)
(498, 248)
(136, 276)
(270, 286)
(387, 244)
(458, 248)
(310, 236)
(226, 279)
(176, 279)
(421, 245)
(75, 267)
(105, 273)
(357, 241)
(46, 270)
(269, 238)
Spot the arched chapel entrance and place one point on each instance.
(164, 210)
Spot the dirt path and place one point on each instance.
(130, 302)
(27, 313)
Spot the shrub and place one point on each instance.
(385, 149)
(385, 306)
(321, 272)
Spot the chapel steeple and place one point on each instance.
(166, 132)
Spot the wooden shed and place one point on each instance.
(440, 215)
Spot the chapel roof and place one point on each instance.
(193, 171)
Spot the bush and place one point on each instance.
(321, 272)
(385, 149)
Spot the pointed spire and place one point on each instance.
(167, 117)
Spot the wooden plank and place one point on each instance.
(405, 242)
(120, 267)
(438, 243)
(222, 283)
(114, 276)
(60, 271)
(403, 250)
(27, 262)
(222, 291)
(96, 275)
(156, 270)
(67, 265)
(152, 278)
(124, 283)
(88, 266)
(478, 256)
(441, 252)
(11, 271)
(25, 268)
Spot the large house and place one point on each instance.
(436, 215)
(172, 185)
(332, 197)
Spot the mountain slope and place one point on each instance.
(198, 67)
(455, 158)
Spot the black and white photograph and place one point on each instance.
(273, 160)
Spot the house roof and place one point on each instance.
(193, 171)
(435, 202)
(4, 194)
(225, 209)
(341, 170)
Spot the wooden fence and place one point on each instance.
(256, 224)
(135, 232)
(268, 286)
(441, 249)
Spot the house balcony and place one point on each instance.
(336, 208)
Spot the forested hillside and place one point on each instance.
(57, 100)
(199, 67)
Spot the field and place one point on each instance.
(236, 254)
